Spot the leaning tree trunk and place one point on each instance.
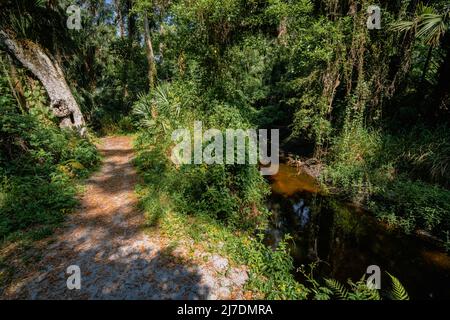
(34, 58)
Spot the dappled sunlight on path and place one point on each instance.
(117, 259)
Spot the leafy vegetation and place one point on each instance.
(168, 206)
(359, 290)
(211, 204)
(39, 165)
(371, 107)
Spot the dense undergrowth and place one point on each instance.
(39, 166)
(402, 177)
(218, 206)
(172, 205)
(172, 209)
(315, 78)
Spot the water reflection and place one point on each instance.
(302, 212)
(347, 240)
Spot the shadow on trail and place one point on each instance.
(164, 276)
(105, 239)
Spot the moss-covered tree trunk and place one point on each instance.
(47, 70)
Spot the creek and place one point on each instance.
(345, 239)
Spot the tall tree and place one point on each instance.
(150, 54)
(151, 11)
(119, 17)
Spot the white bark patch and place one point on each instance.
(47, 70)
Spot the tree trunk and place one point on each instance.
(442, 93)
(131, 22)
(120, 18)
(162, 46)
(150, 54)
(34, 58)
(130, 37)
(282, 31)
(426, 66)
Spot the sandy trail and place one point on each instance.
(117, 259)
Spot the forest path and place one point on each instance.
(117, 258)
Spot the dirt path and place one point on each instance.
(117, 259)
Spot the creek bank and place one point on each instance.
(310, 169)
(344, 239)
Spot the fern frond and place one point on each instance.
(338, 288)
(398, 292)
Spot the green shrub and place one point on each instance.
(421, 153)
(395, 176)
(232, 194)
(351, 168)
(38, 165)
(414, 204)
(209, 203)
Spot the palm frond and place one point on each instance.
(142, 109)
(161, 95)
(431, 27)
(423, 9)
(429, 24)
(402, 26)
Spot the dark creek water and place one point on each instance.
(347, 240)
